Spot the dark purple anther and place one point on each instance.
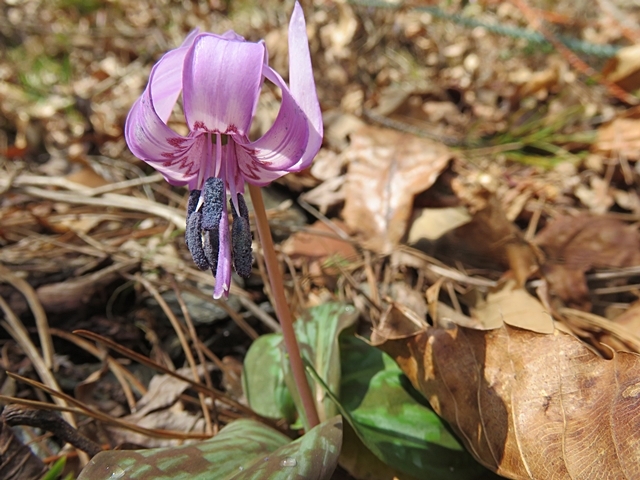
(241, 239)
(194, 196)
(213, 203)
(211, 246)
(193, 238)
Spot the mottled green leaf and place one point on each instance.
(263, 379)
(389, 417)
(234, 449)
(270, 388)
(243, 450)
(394, 421)
(314, 456)
(361, 463)
(317, 332)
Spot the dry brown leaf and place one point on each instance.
(164, 391)
(74, 293)
(318, 243)
(630, 318)
(620, 137)
(386, 170)
(489, 240)
(537, 82)
(624, 68)
(513, 306)
(432, 223)
(88, 177)
(526, 405)
(159, 409)
(575, 245)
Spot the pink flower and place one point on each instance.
(220, 77)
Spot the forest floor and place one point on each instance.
(479, 164)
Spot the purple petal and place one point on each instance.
(221, 84)
(302, 85)
(223, 270)
(165, 82)
(282, 147)
(176, 157)
(252, 171)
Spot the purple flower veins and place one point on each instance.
(220, 77)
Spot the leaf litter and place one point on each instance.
(470, 173)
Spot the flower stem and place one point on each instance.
(282, 308)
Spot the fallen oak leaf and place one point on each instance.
(526, 405)
(387, 169)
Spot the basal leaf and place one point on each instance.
(317, 332)
(392, 420)
(243, 450)
(233, 450)
(269, 385)
(263, 379)
(314, 456)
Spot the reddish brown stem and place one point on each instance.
(282, 308)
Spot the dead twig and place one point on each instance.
(47, 420)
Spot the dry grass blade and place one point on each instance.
(211, 428)
(124, 376)
(260, 314)
(183, 342)
(112, 200)
(38, 312)
(103, 417)
(596, 323)
(150, 363)
(41, 405)
(19, 333)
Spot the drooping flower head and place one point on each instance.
(220, 77)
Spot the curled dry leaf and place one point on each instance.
(386, 170)
(17, 461)
(489, 239)
(526, 405)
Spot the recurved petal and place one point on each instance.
(302, 84)
(178, 158)
(165, 81)
(252, 171)
(285, 143)
(221, 84)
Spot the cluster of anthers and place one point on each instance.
(207, 226)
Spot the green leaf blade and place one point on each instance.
(232, 450)
(393, 420)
